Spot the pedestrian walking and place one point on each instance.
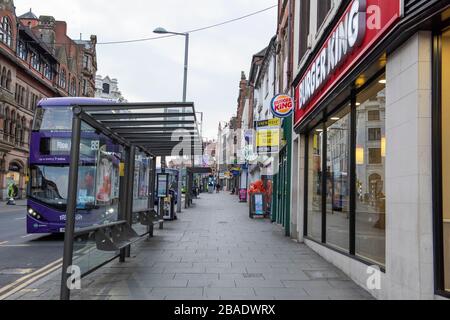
(13, 192)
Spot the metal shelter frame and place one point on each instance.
(139, 127)
(190, 183)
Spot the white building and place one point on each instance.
(108, 88)
(265, 86)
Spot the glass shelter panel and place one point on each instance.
(141, 190)
(98, 195)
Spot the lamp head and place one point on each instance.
(160, 31)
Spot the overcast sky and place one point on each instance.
(153, 71)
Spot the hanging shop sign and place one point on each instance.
(268, 134)
(362, 25)
(282, 106)
(235, 171)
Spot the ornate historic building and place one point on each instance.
(107, 88)
(37, 60)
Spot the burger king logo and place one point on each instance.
(282, 106)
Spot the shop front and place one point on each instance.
(281, 213)
(364, 106)
(441, 154)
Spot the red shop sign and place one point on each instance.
(362, 25)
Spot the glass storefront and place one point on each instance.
(370, 173)
(353, 223)
(445, 114)
(315, 184)
(338, 184)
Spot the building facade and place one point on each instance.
(282, 202)
(263, 81)
(370, 142)
(37, 60)
(107, 88)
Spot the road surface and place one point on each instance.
(22, 254)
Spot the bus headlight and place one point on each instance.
(34, 214)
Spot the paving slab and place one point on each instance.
(213, 251)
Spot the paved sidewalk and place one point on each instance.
(214, 251)
(19, 203)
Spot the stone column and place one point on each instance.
(409, 233)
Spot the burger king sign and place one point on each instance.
(282, 106)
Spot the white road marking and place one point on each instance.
(20, 218)
(27, 236)
(4, 242)
(25, 281)
(14, 245)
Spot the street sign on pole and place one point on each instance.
(268, 133)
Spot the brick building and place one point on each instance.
(37, 60)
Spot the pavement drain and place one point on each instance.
(16, 271)
(223, 222)
(253, 275)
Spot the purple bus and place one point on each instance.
(99, 173)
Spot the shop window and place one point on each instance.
(338, 179)
(445, 114)
(315, 155)
(345, 190)
(370, 172)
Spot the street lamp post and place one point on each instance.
(186, 62)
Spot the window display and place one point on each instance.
(338, 183)
(370, 173)
(315, 184)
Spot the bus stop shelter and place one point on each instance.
(154, 129)
(191, 172)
